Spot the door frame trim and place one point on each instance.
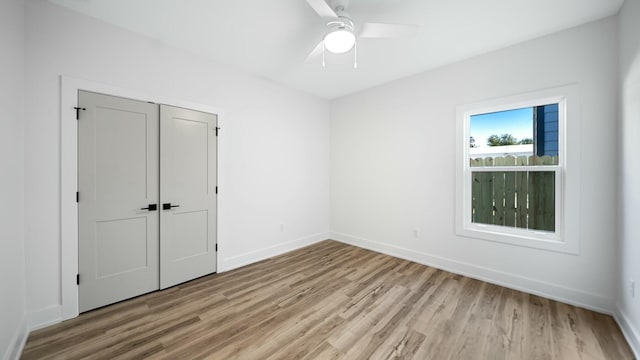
(69, 88)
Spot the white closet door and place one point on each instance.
(188, 146)
(117, 177)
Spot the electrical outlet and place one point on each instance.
(632, 288)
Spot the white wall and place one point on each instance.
(628, 306)
(393, 157)
(274, 155)
(12, 271)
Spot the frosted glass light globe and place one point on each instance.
(339, 41)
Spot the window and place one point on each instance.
(514, 164)
(511, 163)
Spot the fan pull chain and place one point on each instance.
(323, 63)
(355, 55)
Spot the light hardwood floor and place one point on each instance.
(334, 301)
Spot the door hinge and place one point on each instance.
(216, 189)
(77, 196)
(216, 247)
(77, 279)
(217, 129)
(78, 111)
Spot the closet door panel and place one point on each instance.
(118, 175)
(188, 150)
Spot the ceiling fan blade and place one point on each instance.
(316, 51)
(322, 8)
(378, 30)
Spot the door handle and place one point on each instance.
(151, 207)
(168, 206)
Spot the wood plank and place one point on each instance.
(567, 334)
(499, 194)
(476, 191)
(537, 329)
(548, 196)
(482, 190)
(473, 339)
(504, 340)
(541, 192)
(510, 193)
(522, 191)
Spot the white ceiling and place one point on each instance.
(273, 38)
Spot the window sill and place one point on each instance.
(531, 239)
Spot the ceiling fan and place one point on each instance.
(341, 30)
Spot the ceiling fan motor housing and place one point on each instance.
(339, 5)
(342, 23)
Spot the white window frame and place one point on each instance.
(556, 240)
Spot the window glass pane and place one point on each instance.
(518, 199)
(525, 136)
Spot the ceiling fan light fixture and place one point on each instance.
(339, 40)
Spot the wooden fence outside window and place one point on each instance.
(522, 198)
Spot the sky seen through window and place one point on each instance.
(517, 122)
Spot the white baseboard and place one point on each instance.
(45, 317)
(18, 341)
(628, 330)
(261, 254)
(513, 281)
